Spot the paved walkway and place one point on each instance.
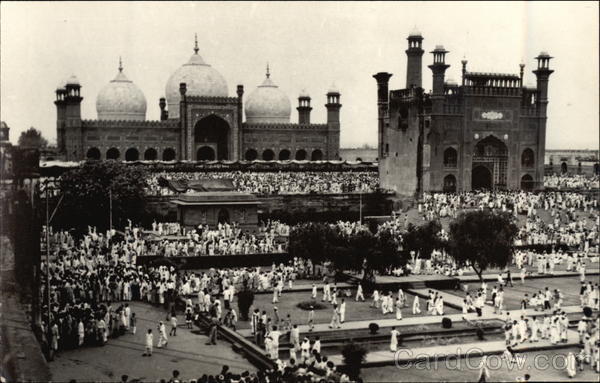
(22, 358)
(428, 319)
(451, 300)
(375, 358)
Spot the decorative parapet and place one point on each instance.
(155, 124)
(266, 126)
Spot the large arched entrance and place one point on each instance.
(564, 168)
(481, 178)
(214, 131)
(490, 163)
(205, 153)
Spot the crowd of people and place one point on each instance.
(574, 218)
(172, 240)
(89, 282)
(572, 181)
(281, 182)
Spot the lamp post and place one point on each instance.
(48, 220)
(110, 209)
(48, 334)
(360, 205)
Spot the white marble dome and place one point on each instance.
(200, 78)
(268, 104)
(121, 99)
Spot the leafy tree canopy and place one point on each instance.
(86, 193)
(482, 239)
(423, 239)
(32, 138)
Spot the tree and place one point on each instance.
(311, 241)
(87, 190)
(32, 138)
(482, 239)
(423, 239)
(354, 357)
(245, 300)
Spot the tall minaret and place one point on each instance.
(542, 73)
(414, 58)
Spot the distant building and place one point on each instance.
(572, 161)
(488, 132)
(199, 121)
(6, 161)
(359, 154)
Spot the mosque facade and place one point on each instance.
(199, 120)
(488, 132)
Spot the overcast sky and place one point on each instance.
(308, 45)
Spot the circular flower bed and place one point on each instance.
(305, 305)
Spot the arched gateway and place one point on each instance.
(490, 162)
(212, 132)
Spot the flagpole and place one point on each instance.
(110, 208)
(48, 325)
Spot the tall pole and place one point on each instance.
(360, 206)
(110, 208)
(48, 264)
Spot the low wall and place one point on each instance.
(293, 207)
(217, 261)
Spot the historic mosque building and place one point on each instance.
(199, 120)
(488, 132)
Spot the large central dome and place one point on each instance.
(200, 78)
(121, 99)
(268, 104)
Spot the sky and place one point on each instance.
(308, 45)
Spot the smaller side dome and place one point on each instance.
(121, 99)
(268, 104)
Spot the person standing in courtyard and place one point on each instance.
(416, 309)
(343, 311)
(335, 319)
(133, 323)
(173, 321)
(311, 318)
(571, 365)
(398, 309)
(149, 343)
(162, 335)
(394, 339)
(359, 293)
(484, 373)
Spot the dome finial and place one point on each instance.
(268, 73)
(120, 64)
(196, 49)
